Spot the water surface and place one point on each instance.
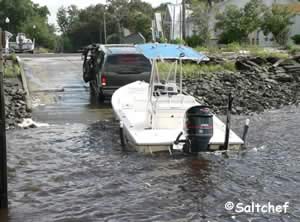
(78, 172)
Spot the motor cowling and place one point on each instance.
(198, 129)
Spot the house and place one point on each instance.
(258, 37)
(170, 25)
(135, 38)
(157, 30)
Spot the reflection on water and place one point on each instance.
(77, 172)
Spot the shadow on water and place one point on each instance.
(95, 102)
(3, 215)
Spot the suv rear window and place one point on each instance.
(128, 64)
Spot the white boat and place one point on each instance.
(154, 117)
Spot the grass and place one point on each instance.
(42, 50)
(194, 70)
(11, 71)
(293, 49)
(252, 50)
(11, 67)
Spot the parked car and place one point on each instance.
(108, 67)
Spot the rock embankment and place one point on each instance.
(15, 105)
(257, 85)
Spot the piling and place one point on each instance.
(228, 121)
(3, 159)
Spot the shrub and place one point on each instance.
(178, 41)
(293, 49)
(277, 21)
(11, 70)
(296, 39)
(194, 41)
(237, 23)
(163, 39)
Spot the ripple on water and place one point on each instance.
(79, 173)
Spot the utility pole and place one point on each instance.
(3, 164)
(183, 20)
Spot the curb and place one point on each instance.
(25, 86)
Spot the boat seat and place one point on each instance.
(170, 111)
(170, 120)
(178, 102)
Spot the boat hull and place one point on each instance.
(130, 107)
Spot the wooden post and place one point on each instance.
(3, 164)
(228, 121)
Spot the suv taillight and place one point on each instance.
(103, 80)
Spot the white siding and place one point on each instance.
(295, 28)
(257, 38)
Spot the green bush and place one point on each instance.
(178, 41)
(194, 41)
(11, 70)
(293, 49)
(296, 39)
(232, 47)
(163, 39)
(11, 57)
(210, 50)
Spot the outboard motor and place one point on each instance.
(198, 129)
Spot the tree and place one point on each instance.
(236, 23)
(86, 26)
(277, 21)
(230, 25)
(208, 3)
(66, 17)
(140, 18)
(199, 18)
(24, 15)
(42, 33)
(139, 22)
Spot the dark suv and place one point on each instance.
(108, 67)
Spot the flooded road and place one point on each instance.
(75, 170)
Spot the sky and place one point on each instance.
(53, 5)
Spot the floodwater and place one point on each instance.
(75, 170)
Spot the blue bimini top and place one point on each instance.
(171, 51)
